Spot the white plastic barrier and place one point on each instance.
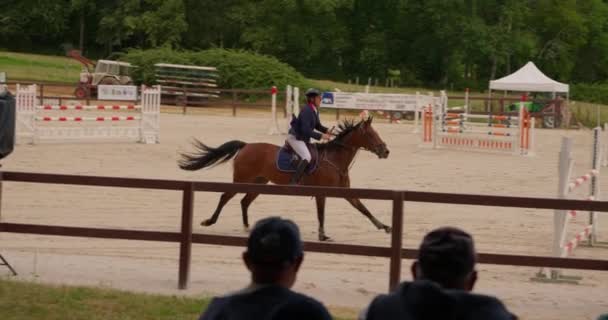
(30, 119)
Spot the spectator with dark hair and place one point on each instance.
(7, 122)
(444, 276)
(274, 256)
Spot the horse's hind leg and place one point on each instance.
(226, 196)
(247, 200)
(359, 206)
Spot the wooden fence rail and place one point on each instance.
(395, 252)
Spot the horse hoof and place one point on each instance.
(207, 223)
(387, 229)
(246, 229)
(324, 238)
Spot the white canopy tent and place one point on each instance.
(529, 78)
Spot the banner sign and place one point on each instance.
(375, 101)
(115, 92)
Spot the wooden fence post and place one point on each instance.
(1, 178)
(396, 241)
(185, 250)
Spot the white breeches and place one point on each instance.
(299, 147)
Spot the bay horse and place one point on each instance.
(256, 163)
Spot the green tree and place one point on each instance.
(82, 8)
(213, 23)
(163, 23)
(142, 23)
(591, 64)
(436, 43)
(305, 34)
(561, 31)
(34, 25)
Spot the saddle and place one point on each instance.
(287, 158)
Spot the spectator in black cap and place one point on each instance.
(444, 276)
(274, 255)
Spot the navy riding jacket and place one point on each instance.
(303, 127)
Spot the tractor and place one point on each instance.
(105, 72)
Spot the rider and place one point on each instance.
(303, 128)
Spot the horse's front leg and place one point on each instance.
(345, 182)
(359, 206)
(321, 217)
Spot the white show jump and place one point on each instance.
(292, 107)
(563, 246)
(461, 130)
(604, 146)
(35, 124)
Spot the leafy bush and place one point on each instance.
(595, 93)
(236, 68)
(144, 60)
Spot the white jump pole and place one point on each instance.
(296, 100)
(466, 101)
(604, 147)
(289, 104)
(531, 135)
(559, 216)
(274, 126)
(437, 121)
(419, 108)
(595, 186)
(522, 129)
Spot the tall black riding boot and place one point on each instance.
(295, 179)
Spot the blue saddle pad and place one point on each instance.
(287, 160)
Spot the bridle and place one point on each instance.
(375, 149)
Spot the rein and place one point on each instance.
(342, 173)
(343, 145)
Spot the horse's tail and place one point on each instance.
(206, 156)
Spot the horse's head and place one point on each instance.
(365, 137)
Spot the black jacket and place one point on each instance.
(303, 127)
(422, 300)
(266, 303)
(7, 124)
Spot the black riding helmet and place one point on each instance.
(312, 92)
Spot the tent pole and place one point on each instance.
(489, 105)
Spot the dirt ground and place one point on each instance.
(337, 280)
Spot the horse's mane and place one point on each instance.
(344, 128)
